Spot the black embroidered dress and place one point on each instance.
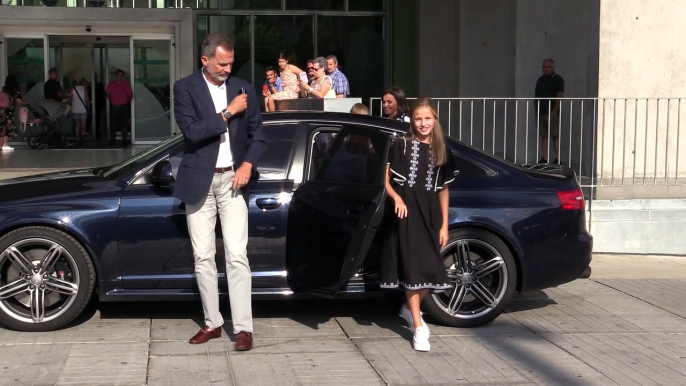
(411, 257)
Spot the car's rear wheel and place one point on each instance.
(46, 279)
(483, 274)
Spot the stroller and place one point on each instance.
(47, 113)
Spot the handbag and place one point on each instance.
(331, 93)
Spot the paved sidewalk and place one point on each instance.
(602, 331)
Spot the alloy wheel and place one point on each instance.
(479, 277)
(38, 280)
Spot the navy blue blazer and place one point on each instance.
(202, 128)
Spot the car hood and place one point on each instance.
(42, 185)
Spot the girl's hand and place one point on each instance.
(400, 207)
(443, 236)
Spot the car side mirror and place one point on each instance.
(162, 175)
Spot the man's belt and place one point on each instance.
(223, 170)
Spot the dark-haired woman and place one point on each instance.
(7, 127)
(395, 105)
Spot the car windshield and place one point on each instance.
(141, 158)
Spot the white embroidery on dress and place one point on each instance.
(444, 286)
(414, 162)
(429, 176)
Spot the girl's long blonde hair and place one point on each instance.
(436, 141)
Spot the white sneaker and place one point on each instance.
(7, 148)
(420, 341)
(407, 315)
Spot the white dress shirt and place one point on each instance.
(224, 159)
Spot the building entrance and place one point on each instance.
(147, 63)
(92, 62)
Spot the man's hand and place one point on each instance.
(242, 176)
(266, 93)
(238, 104)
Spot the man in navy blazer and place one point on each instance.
(221, 123)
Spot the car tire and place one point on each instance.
(60, 279)
(487, 254)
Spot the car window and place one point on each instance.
(273, 164)
(319, 145)
(467, 169)
(141, 159)
(277, 157)
(354, 157)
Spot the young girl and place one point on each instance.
(417, 175)
(289, 82)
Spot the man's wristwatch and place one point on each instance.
(227, 114)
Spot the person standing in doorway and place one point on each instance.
(79, 109)
(52, 90)
(120, 94)
(551, 87)
(417, 176)
(219, 116)
(99, 102)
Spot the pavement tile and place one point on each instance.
(667, 294)
(585, 306)
(631, 359)
(456, 360)
(32, 364)
(271, 362)
(395, 326)
(105, 364)
(264, 328)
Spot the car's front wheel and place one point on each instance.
(483, 274)
(46, 279)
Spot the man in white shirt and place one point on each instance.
(223, 143)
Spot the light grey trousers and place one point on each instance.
(233, 216)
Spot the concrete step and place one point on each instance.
(655, 226)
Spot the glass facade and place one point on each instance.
(225, 5)
(354, 31)
(25, 60)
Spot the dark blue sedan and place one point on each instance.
(316, 220)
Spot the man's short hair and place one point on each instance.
(310, 61)
(332, 57)
(321, 61)
(549, 61)
(53, 71)
(120, 71)
(212, 42)
(269, 68)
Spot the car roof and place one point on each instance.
(334, 117)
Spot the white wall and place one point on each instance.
(487, 48)
(438, 47)
(642, 55)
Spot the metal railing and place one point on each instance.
(607, 141)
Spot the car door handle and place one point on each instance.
(267, 203)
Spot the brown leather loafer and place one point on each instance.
(205, 334)
(244, 341)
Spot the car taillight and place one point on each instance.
(571, 199)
